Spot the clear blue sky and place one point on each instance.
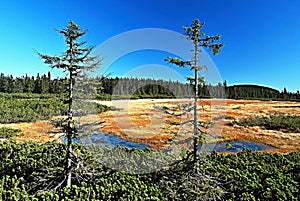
(262, 37)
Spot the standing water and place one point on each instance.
(113, 141)
(235, 146)
(108, 140)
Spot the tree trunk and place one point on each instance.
(196, 102)
(69, 133)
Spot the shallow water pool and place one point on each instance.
(235, 146)
(109, 140)
(113, 141)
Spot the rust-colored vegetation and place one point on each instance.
(142, 122)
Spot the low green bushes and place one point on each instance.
(243, 176)
(8, 133)
(287, 123)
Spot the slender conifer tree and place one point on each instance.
(199, 39)
(75, 61)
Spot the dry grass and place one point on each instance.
(140, 122)
(41, 131)
(136, 119)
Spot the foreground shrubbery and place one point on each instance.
(8, 133)
(289, 123)
(242, 176)
(22, 163)
(259, 176)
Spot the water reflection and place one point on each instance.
(235, 146)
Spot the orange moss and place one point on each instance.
(154, 128)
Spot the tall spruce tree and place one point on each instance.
(199, 39)
(75, 61)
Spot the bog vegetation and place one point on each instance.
(8, 133)
(283, 122)
(28, 107)
(243, 176)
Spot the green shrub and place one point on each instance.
(6, 132)
(243, 176)
(32, 107)
(223, 116)
(287, 123)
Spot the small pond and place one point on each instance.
(106, 139)
(113, 141)
(236, 146)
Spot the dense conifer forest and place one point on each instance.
(142, 88)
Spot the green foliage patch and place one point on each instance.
(28, 107)
(6, 132)
(28, 110)
(285, 122)
(223, 116)
(258, 176)
(243, 176)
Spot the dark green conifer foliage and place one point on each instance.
(199, 39)
(76, 60)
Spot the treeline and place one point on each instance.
(141, 87)
(41, 84)
(113, 88)
(44, 84)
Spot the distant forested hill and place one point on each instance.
(247, 91)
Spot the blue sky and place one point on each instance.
(262, 37)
